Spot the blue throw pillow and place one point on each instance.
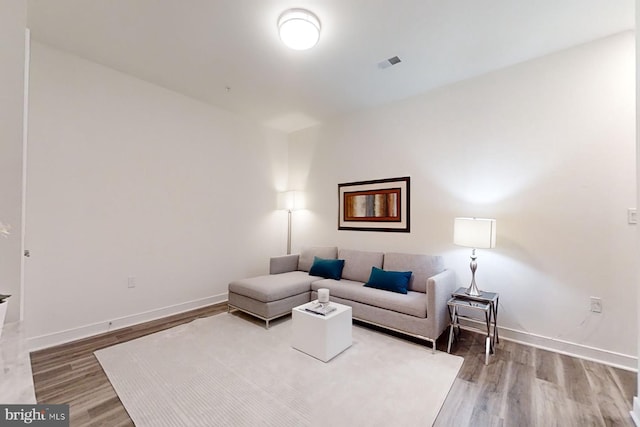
(327, 268)
(394, 281)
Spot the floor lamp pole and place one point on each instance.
(289, 232)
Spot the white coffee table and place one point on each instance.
(323, 337)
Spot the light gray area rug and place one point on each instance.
(227, 370)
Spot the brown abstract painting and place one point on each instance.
(378, 205)
(382, 205)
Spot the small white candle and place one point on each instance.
(323, 295)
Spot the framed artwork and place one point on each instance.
(379, 205)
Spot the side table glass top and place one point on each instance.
(484, 296)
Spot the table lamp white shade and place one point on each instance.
(479, 233)
(474, 233)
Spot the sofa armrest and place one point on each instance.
(439, 290)
(283, 264)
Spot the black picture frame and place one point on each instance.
(376, 205)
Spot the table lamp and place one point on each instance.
(475, 233)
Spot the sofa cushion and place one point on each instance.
(422, 266)
(306, 255)
(413, 303)
(393, 281)
(327, 268)
(273, 287)
(357, 264)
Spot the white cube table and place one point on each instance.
(323, 337)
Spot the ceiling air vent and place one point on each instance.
(389, 62)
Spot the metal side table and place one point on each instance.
(485, 309)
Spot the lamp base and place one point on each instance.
(473, 290)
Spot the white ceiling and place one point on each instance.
(201, 47)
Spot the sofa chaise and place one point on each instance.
(421, 312)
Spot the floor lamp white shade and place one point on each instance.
(475, 233)
(290, 201)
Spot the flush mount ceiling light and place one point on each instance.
(299, 29)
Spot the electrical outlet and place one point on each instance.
(596, 305)
(131, 282)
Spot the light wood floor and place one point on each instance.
(521, 386)
(526, 386)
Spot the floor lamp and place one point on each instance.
(290, 201)
(475, 233)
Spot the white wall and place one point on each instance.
(635, 413)
(547, 148)
(129, 179)
(13, 16)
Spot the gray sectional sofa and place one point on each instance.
(421, 312)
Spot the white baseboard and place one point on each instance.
(61, 337)
(611, 358)
(635, 413)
